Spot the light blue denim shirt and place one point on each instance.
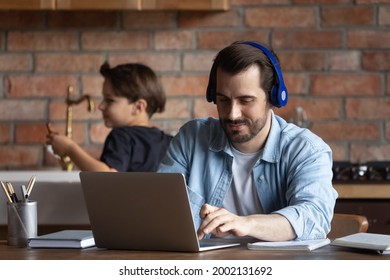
(293, 174)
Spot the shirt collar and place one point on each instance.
(272, 145)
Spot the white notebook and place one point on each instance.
(305, 245)
(63, 239)
(371, 241)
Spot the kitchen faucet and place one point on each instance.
(66, 162)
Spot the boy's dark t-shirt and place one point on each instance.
(135, 148)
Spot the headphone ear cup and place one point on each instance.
(279, 96)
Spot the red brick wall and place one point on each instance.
(334, 53)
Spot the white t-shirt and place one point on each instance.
(242, 197)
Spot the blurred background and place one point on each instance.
(334, 54)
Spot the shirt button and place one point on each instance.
(261, 178)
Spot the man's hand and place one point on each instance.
(220, 222)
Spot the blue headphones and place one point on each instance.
(279, 94)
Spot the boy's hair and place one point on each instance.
(136, 81)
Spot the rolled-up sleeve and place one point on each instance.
(310, 194)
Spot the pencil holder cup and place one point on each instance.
(22, 222)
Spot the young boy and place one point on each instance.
(132, 93)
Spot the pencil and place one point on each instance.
(11, 192)
(48, 127)
(6, 192)
(30, 185)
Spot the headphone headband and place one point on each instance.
(278, 94)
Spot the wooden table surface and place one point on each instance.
(235, 253)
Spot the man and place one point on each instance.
(250, 173)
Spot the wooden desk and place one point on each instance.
(235, 253)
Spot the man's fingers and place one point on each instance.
(203, 214)
(206, 210)
(213, 221)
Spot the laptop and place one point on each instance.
(142, 211)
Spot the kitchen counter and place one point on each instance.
(364, 190)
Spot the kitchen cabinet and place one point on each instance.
(377, 212)
(368, 199)
(98, 4)
(204, 5)
(185, 5)
(27, 4)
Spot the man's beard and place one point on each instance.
(237, 136)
